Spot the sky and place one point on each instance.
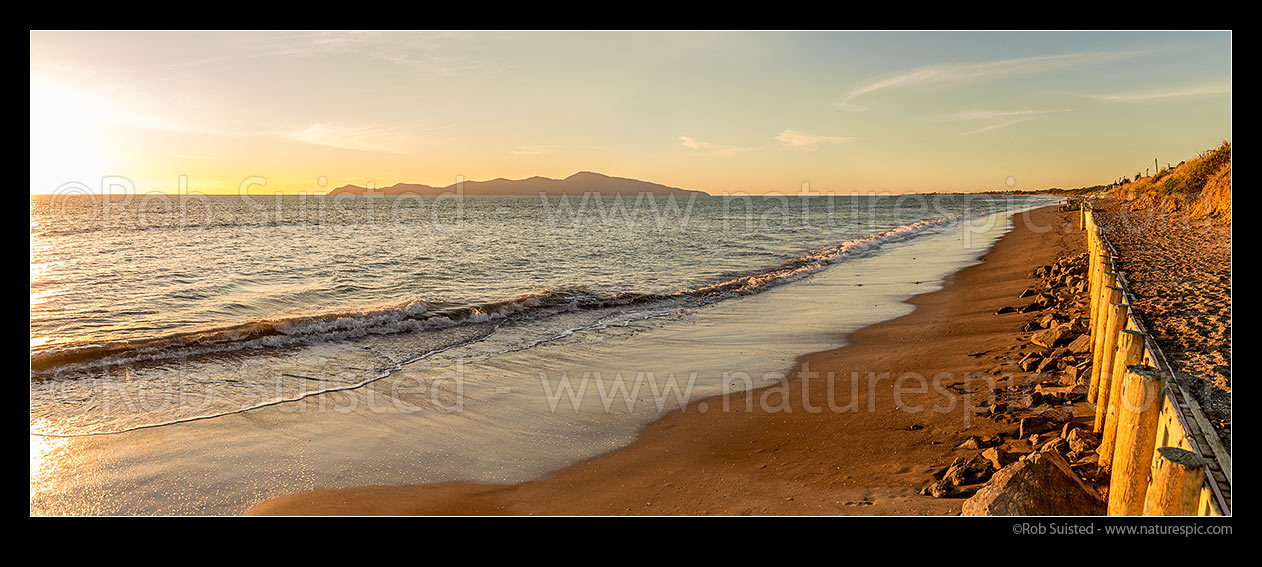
(723, 112)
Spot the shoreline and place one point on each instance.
(890, 430)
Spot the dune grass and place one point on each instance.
(1200, 186)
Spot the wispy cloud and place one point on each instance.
(1166, 93)
(535, 150)
(364, 138)
(804, 141)
(716, 150)
(961, 73)
(996, 119)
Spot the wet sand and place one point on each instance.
(855, 431)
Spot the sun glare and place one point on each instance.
(65, 140)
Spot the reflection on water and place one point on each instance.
(508, 424)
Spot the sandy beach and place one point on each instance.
(855, 431)
(1179, 268)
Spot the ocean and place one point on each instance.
(199, 354)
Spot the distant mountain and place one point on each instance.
(577, 184)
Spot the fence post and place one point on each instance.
(1143, 391)
(1177, 476)
(1117, 315)
(1130, 350)
(1109, 294)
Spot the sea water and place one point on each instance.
(197, 355)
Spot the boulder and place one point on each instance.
(1056, 444)
(969, 470)
(1069, 427)
(940, 489)
(970, 443)
(1052, 337)
(1080, 344)
(1082, 441)
(999, 458)
(1075, 374)
(1061, 394)
(1052, 360)
(1040, 484)
(1024, 400)
(1034, 306)
(1043, 420)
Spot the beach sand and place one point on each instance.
(864, 446)
(1179, 269)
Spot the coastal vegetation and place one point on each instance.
(1200, 187)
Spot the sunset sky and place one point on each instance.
(720, 112)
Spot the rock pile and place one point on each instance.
(1046, 464)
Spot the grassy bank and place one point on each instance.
(1200, 187)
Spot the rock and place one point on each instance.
(1080, 344)
(1043, 421)
(998, 457)
(1056, 444)
(1040, 484)
(1028, 292)
(1007, 309)
(1034, 306)
(1051, 337)
(969, 470)
(1030, 362)
(1077, 372)
(1069, 427)
(1086, 460)
(1048, 364)
(940, 489)
(1048, 321)
(971, 443)
(1031, 325)
(1082, 441)
(1057, 395)
(1026, 400)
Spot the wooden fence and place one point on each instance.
(1163, 455)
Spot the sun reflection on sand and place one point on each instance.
(48, 454)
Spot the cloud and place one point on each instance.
(533, 150)
(545, 149)
(364, 138)
(996, 119)
(716, 150)
(804, 141)
(1166, 93)
(693, 143)
(961, 73)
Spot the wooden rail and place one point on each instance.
(1135, 434)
